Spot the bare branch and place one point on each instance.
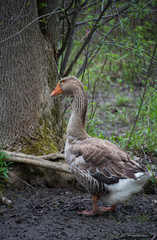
(92, 113)
(69, 39)
(96, 49)
(93, 20)
(14, 20)
(70, 5)
(67, 44)
(129, 49)
(90, 35)
(83, 66)
(87, 39)
(91, 5)
(56, 11)
(105, 36)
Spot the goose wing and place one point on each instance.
(104, 161)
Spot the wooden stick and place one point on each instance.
(5, 200)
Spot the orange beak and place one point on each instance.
(56, 91)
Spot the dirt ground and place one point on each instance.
(51, 213)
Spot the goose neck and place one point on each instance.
(76, 126)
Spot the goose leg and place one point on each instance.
(96, 209)
(95, 204)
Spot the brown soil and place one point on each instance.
(51, 213)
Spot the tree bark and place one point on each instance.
(29, 120)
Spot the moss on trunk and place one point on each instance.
(45, 140)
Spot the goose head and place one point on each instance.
(72, 87)
(68, 86)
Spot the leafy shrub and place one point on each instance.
(3, 167)
(93, 128)
(145, 134)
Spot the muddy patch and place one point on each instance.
(50, 213)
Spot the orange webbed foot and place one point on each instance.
(108, 209)
(99, 211)
(86, 212)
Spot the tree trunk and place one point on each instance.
(30, 121)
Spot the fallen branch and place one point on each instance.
(136, 236)
(37, 161)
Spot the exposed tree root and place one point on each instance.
(39, 161)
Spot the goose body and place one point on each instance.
(105, 170)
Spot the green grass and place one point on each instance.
(121, 100)
(4, 167)
(142, 219)
(145, 134)
(144, 137)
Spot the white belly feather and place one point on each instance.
(121, 191)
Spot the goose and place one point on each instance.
(102, 168)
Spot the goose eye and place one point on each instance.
(63, 81)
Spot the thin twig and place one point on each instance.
(102, 41)
(87, 39)
(93, 30)
(93, 109)
(16, 18)
(68, 33)
(36, 19)
(69, 42)
(94, 87)
(144, 92)
(129, 49)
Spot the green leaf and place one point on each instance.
(43, 20)
(42, 4)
